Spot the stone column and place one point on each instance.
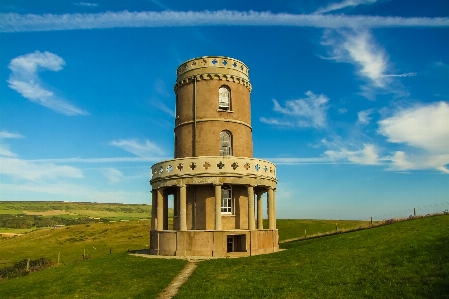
(153, 209)
(176, 210)
(165, 199)
(160, 209)
(259, 211)
(182, 208)
(251, 221)
(271, 218)
(274, 207)
(218, 207)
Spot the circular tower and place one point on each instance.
(212, 96)
(214, 179)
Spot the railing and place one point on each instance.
(214, 165)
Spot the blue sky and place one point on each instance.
(350, 98)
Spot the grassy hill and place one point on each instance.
(404, 260)
(97, 239)
(111, 211)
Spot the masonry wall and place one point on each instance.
(208, 132)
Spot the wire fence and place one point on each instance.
(429, 209)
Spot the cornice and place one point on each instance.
(213, 76)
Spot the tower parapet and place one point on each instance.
(213, 68)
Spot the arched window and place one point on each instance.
(225, 143)
(226, 199)
(224, 98)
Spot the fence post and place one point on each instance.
(305, 233)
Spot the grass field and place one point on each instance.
(408, 259)
(404, 260)
(73, 209)
(112, 276)
(294, 228)
(97, 239)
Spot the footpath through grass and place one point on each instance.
(404, 260)
(112, 276)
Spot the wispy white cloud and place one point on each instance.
(161, 106)
(305, 112)
(6, 134)
(363, 116)
(145, 149)
(12, 22)
(359, 48)
(296, 160)
(113, 175)
(25, 80)
(4, 151)
(366, 156)
(27, 170)
(425, 129)
(88, 4)
(342, 110)
(69, 191)
(401, 75)
(4, 148)
(103, 160)
(343, 4)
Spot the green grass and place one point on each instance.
(16, 230)
(294, 228)
(404, 260)
(111, 276)
(7, 211)
(80, 209)
(96, 238)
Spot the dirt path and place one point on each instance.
(172, 289)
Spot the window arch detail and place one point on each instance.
(224, 98)
(225, 143)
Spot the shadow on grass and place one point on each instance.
(437, 280)
(140, 251)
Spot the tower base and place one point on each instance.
(225, 243)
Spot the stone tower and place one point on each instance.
(213, 179)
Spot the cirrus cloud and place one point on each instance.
(305, 112)
(12, 22)
(25, 80)
(144, 149)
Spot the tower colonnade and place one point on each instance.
(255, 212)
(216, 185)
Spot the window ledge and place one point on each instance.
(227, 215)
(224, 110)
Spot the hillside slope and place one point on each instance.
(404, 260)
